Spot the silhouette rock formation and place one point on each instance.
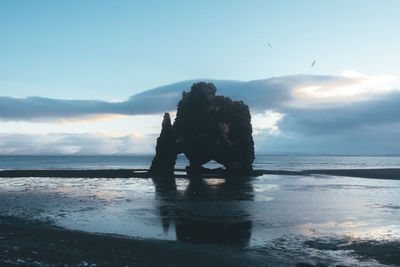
(166, 149)
(207, 127)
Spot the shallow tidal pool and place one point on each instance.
(290, 216)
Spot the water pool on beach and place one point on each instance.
(267, 213)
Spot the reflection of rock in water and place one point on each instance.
(165, 191)
(207, 211)
(209, 231)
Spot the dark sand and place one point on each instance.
(32, 243)
(392, 174)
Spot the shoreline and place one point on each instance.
(387, 173)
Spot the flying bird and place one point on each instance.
(270, 46)
(313, 63)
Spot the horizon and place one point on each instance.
(181, 155)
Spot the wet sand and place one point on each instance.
(391, 174)
(33, 243)
(337, 224)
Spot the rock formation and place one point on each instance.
(166, 149)
(207, 127)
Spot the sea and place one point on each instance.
(268, 162)
(310, 217)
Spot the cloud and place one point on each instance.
(96, 118)
(362, 140)
(354, 87)
(266, 122)
(380, 111)
(346, 114)
(278, 93)
(75, 144)
(41, 108)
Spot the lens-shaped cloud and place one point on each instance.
(346, 114)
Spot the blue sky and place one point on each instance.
(112, 50)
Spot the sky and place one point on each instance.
(94, 77)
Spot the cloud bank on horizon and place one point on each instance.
(343, 114)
